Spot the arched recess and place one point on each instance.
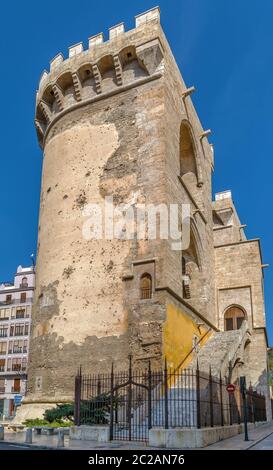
(190, 168)
(234, 317)
(192, 263)
(65, 82)
(132, 68)
(87, 79)
(107, 71)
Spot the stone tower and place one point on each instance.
(117, 120)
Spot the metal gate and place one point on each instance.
(131, 402)
(130, 405)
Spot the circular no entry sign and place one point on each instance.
(230, 388)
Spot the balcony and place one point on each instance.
(2, 389)
(16, 301)
(3, 353)
(4, 318)
(3, 334)
(19, 350)
(15, 389)
(2, 368)
(20, 315)
(17, 368)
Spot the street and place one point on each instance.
(8, 446)
(265, 444)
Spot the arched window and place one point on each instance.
(24, 282)
(234, 318)
(146, 286)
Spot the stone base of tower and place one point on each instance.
(31, 411)
(35, 409)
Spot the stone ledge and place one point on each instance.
(183, 438)
(90, 433)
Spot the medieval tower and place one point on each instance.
(117, 121)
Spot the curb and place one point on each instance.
(36, 446)
(258, 441)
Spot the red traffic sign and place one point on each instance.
(230, 388)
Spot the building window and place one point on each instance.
(23, 297)
(2, 365)
(2, 386)
(8, 299)
(3, 348)
(20, 312)
(24, 282)
(17, 346)
(3, 331)
(24, 363)
(234, 318)
(16, 386)
(16, 364)
(146, 286)
(19, 330)
(4, 314)
(26, 329)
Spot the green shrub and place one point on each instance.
(94, 411)
(60, 413)
(31, 423)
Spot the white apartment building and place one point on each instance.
(15, 318)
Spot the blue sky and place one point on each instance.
(223, 48)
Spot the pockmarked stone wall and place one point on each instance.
(117, 121)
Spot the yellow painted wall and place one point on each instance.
(178, 332)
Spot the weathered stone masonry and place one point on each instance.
(117, 120)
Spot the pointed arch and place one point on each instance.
(192, 264)
(190, 166)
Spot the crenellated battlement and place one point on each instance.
(126, 59)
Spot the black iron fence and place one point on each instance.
(132, 402)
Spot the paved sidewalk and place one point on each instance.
(50, 442)
(238, 443)
(256, 441)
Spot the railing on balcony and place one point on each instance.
(17, 368)
(20, 315)
(15, 389)
(3, 334)
(17, 350)
(16, 301)
(2, 389)
(2, 368)
(4, 318)
(3, 353)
